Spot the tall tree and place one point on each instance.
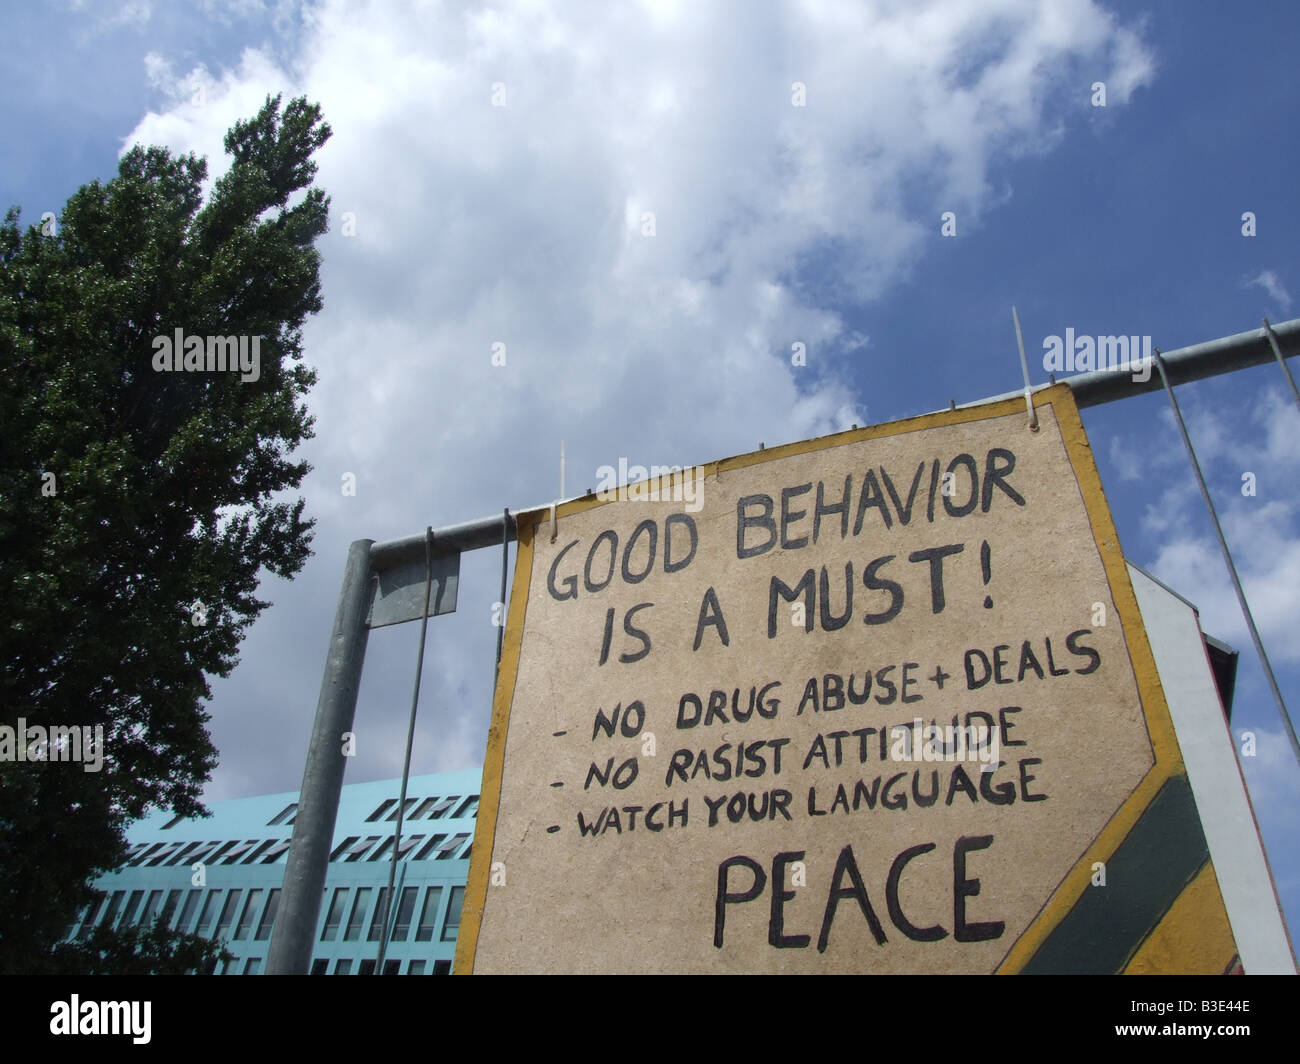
(139, 503)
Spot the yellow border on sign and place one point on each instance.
(1160, 729)
(1160, 726)
(480, 864)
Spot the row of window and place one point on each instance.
(268, 851)
(430, 808)
(360, 912)
(256, 917)
(249, 851)
(343, 966)
(433, 808)
(438, 847)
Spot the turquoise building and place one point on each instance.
(220, 877)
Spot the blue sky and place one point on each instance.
(774, 224)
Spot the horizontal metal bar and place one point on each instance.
(453, 539)
(1194, 363)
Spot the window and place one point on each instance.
(407, 843)
(191, 852)
(211, 858)
(405, 910)
(384, 806)
(406, 809)
(132, 904)
(452, 924)
(429, 914)
(358, 851)
(277, 848)
(335, 914)
(169, 850)
(151, 907)
(318, 966)
(187, 913)
(358, 918)
(88, 917)
(367, 967)
(392, 967)
(342, 846)
(268, 917)
(442, 967)
(469, 807)
(415, 968)
(434, 842)
(208, 915)
(382, 848)
(250, 913)
(443, 806)
(253, 966)
(283, 815)
(169, 906)
(114, 903)
(378, 921)
(228, 912)
(209, 910)
(449, 848)
(425, 806)
(148, 852)
(343, 967)
(262, 847)
(240, 849)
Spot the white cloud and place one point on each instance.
(120, 14)
(522, 224)
(1272, 284)
(1262, 529)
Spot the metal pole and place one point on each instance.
(294, 933)
(1229, 353)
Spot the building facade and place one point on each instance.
(220, 877)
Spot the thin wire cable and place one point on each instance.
(410, 739)
(1227, 557)
(1286, 370)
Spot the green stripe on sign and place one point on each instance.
(1157, 859)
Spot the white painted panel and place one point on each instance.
(1217, 783)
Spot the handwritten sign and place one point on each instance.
(860, 704)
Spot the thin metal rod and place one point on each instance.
(294, 932)
(1024, 369)
(406, 765)
(1227, 557)
(1286, 370)
(505, 559)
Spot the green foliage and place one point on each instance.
(137, 950)
(170, 487)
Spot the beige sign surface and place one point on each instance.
(861, 704)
